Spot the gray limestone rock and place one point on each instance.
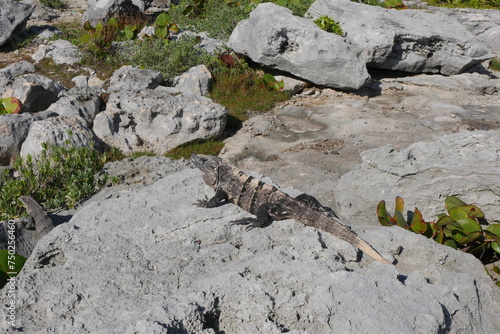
(153, 120)
(56, 131)
(273, 37)
(36, 92)
(134, 79)
(13, 131)
(464, 164)
(196, 80)
(17, 69)
(146, 260)
(102, 10)
(13, 18)
(405, 40)
(61, 52)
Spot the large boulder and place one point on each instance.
(61, 52)
(57, 131)
(134, 79)
(405, 40)
(103, 10)
(36, 92)
(13, 18)
(13, 131)
(274, 37)
(146, 260)
(464, 164)
(154, 120)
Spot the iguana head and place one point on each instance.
(209, 166)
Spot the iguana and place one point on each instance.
(268, 203)
(43, 224)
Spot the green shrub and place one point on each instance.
(397, 4)
(57, 4)
(460, 228)
(493, 4)
(59, 178)
(169, 59)
(328, 24)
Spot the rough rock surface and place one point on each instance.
(196, 80)
(101, 10)
(13, 18)
(134, 79)
(13, 131)
(272, 36)
(36, 92)
(405, 40)
(154, 263)
(153, 120)
(464, 164)
(55, 131)
(61, 52)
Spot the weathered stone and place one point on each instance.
(472, 83)
(134, 79)
(405, 40)
(196, 80)
(292, 85)
(79, 101)
(102, 10)
(464, 164)
(184, 269)
(156, 121)
(36, 92)
(13, 131)
(17, 69)
(61, 52)
(13, 18)
(272, 36)
(56, 131)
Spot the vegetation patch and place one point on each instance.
(328, 24)
(210, 146)
(460, 228)
(495, 64)
(481, 4)
(59, 178)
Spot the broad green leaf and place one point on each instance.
(113, 22)
(451, 243)
(161, 32)
(383, 216)
(439, 237)
(496, 270)
(469, 225)
(453, 202)
(418, 224)
(400, 220)
(443, 221)
(173, 28)
(88, 26)
(496, 246)
(163, 20)
(10, 105)
(99, 26)
(472, 211)
(494, 228)
(400, 204)
(457, 214)
(281, 3)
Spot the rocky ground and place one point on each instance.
(140, 258)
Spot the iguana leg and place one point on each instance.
(220, 195)
(262, 219)
(314, 203)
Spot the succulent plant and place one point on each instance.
(460, 228)
(10, 105)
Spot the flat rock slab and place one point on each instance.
(272, 36)
(311, 141)
(405, 40)
(146, 260)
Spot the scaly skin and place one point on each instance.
(268, 203)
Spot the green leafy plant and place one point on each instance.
(163, 26)
(98, 40)
(10, 265)
(57, 4)
(396, 4)
(328, 24)
(495, 64)
(493, 4)
(460, 228)
(269, 81)
(10, 105)
(60, 177)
